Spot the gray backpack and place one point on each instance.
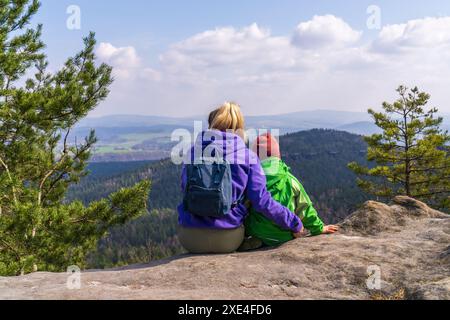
(209, 189)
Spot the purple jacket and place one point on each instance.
(248, 180)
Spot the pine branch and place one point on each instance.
(430, 169)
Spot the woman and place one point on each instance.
(200, 233)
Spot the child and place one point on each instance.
(288, 191)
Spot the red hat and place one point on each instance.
(267, 146)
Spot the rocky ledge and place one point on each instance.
(396, 251)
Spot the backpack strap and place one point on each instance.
(219, 174)
(197, 175)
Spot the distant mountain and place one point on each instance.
(121, 121)
(291, 122)
(364, 128)
(136, 137)
(297, 121)
(307, 120)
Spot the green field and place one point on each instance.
(134, 142)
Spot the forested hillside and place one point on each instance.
(318, 158)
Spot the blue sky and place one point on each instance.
(151, 25)
(161, 35)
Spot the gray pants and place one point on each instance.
(202, 241)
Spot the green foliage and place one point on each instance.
(411, 154)
(38, 231)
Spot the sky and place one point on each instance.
(185, 57)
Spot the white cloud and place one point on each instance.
(323, 64)
(324, 32)
(150, 75)
(226, 56)
(122, 57)
(125, 62)
(420, 33)
(229, 53)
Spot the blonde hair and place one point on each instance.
(228, 117)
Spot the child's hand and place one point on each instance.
(330, 229)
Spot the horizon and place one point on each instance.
(441, 114)
(195, 116)
(178, 59)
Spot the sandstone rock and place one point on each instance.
(407, 241)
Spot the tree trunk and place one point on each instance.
(407, 160)
(408, 178)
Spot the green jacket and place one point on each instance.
(288, 191)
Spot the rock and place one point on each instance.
(406, 243)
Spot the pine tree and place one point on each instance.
(39, 230)
(411, 155)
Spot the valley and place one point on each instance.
(137, 138)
